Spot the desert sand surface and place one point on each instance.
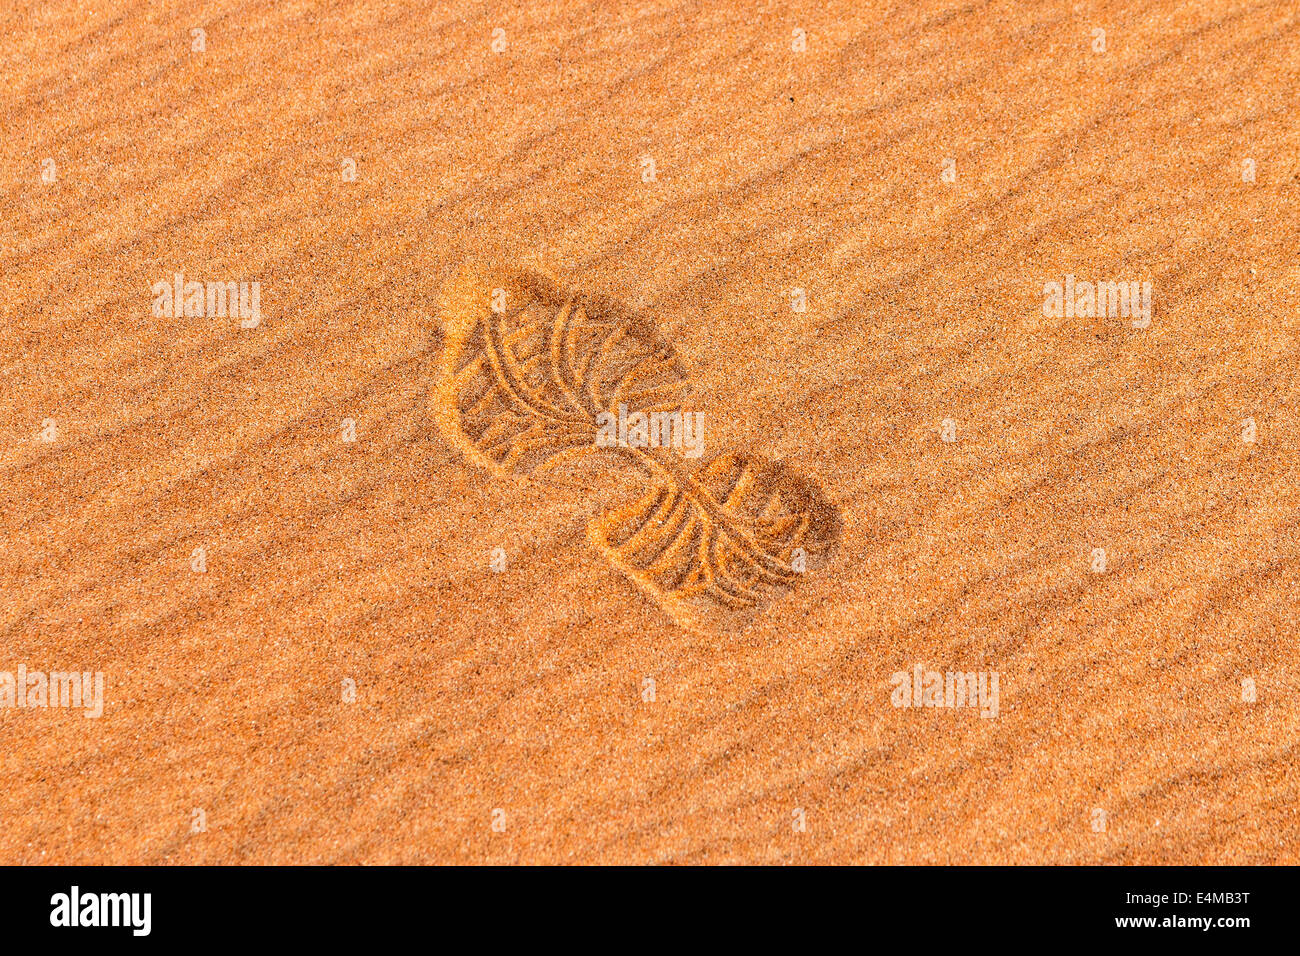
(334, 629)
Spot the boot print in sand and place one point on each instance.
(534, 374)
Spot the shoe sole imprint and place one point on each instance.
(529, 365)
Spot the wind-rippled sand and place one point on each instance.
(503, 715)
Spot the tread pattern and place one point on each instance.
(527, 369)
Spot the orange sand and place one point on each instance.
(524, 691)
